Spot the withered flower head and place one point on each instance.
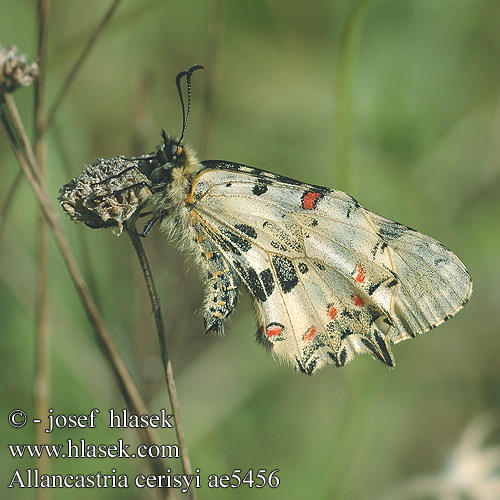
(14, 71)
(106, 194)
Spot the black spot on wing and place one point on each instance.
(339, 359)
(288, 239)
(224, 242)
(300, 366)
(303, 267)
(311, 365)
(373, 287)
(308, 367)
(392, 230)
(354, 205)
(259, 189)
(387, 358)
(346, 314)
(345, 332)
(267, 279)
(279, 246)
(342, 357)
(379, 246)
(248, 230)
(331, 328)
(252, 280)
(285, 271)
(371, 348)
(381, 353)
(237, 240)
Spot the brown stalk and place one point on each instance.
(31, 171)
(41, 383)
(167, 365)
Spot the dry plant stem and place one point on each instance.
(125, 382)
(78, 64)
(43, 6)
(167, 365)
(15, 121)
(41, 383)
(20, 133)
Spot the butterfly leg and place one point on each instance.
(149, 225)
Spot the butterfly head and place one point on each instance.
(171, 151)
(171, 161)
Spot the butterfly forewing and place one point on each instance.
(330, 279)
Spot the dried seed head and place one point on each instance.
(14, 71)
(106, 194)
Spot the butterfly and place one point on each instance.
(329, 278)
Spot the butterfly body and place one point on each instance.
(329, 278)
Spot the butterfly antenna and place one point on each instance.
(185, 114)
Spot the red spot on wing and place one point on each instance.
(309, 334)
(310, 200)
(357, 300)
(332, 311)
(274, 330)
(360, 273)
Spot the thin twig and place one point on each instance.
(41, 385)
(124, 379)
(43, 6)
(78, 64)
(14, 120)
(20, 134)
(167, 365)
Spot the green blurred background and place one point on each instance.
(396, 102)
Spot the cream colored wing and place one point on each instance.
(330, 279)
